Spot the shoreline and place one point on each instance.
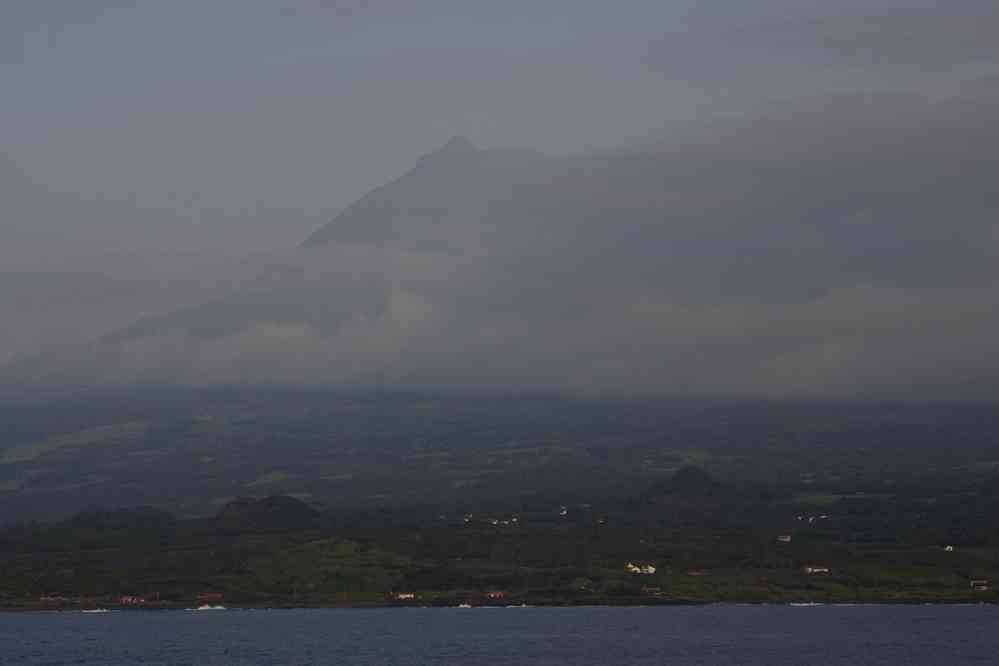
(537, 604)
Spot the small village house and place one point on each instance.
(641, 569)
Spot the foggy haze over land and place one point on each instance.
(782, 199)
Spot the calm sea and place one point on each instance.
(674, 635)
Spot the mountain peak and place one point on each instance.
(457, 151)
(457, 144)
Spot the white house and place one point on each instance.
(643, 569)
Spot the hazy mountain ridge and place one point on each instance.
(619, 270)
(440, 204)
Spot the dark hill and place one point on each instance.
(269, 513)
(688, 481)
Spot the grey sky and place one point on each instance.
(221, 107)
(148, 149)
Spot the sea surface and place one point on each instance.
(717, 634)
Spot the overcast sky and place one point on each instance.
(147, 129)
(216, 109)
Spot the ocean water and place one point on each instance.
(718, 634)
